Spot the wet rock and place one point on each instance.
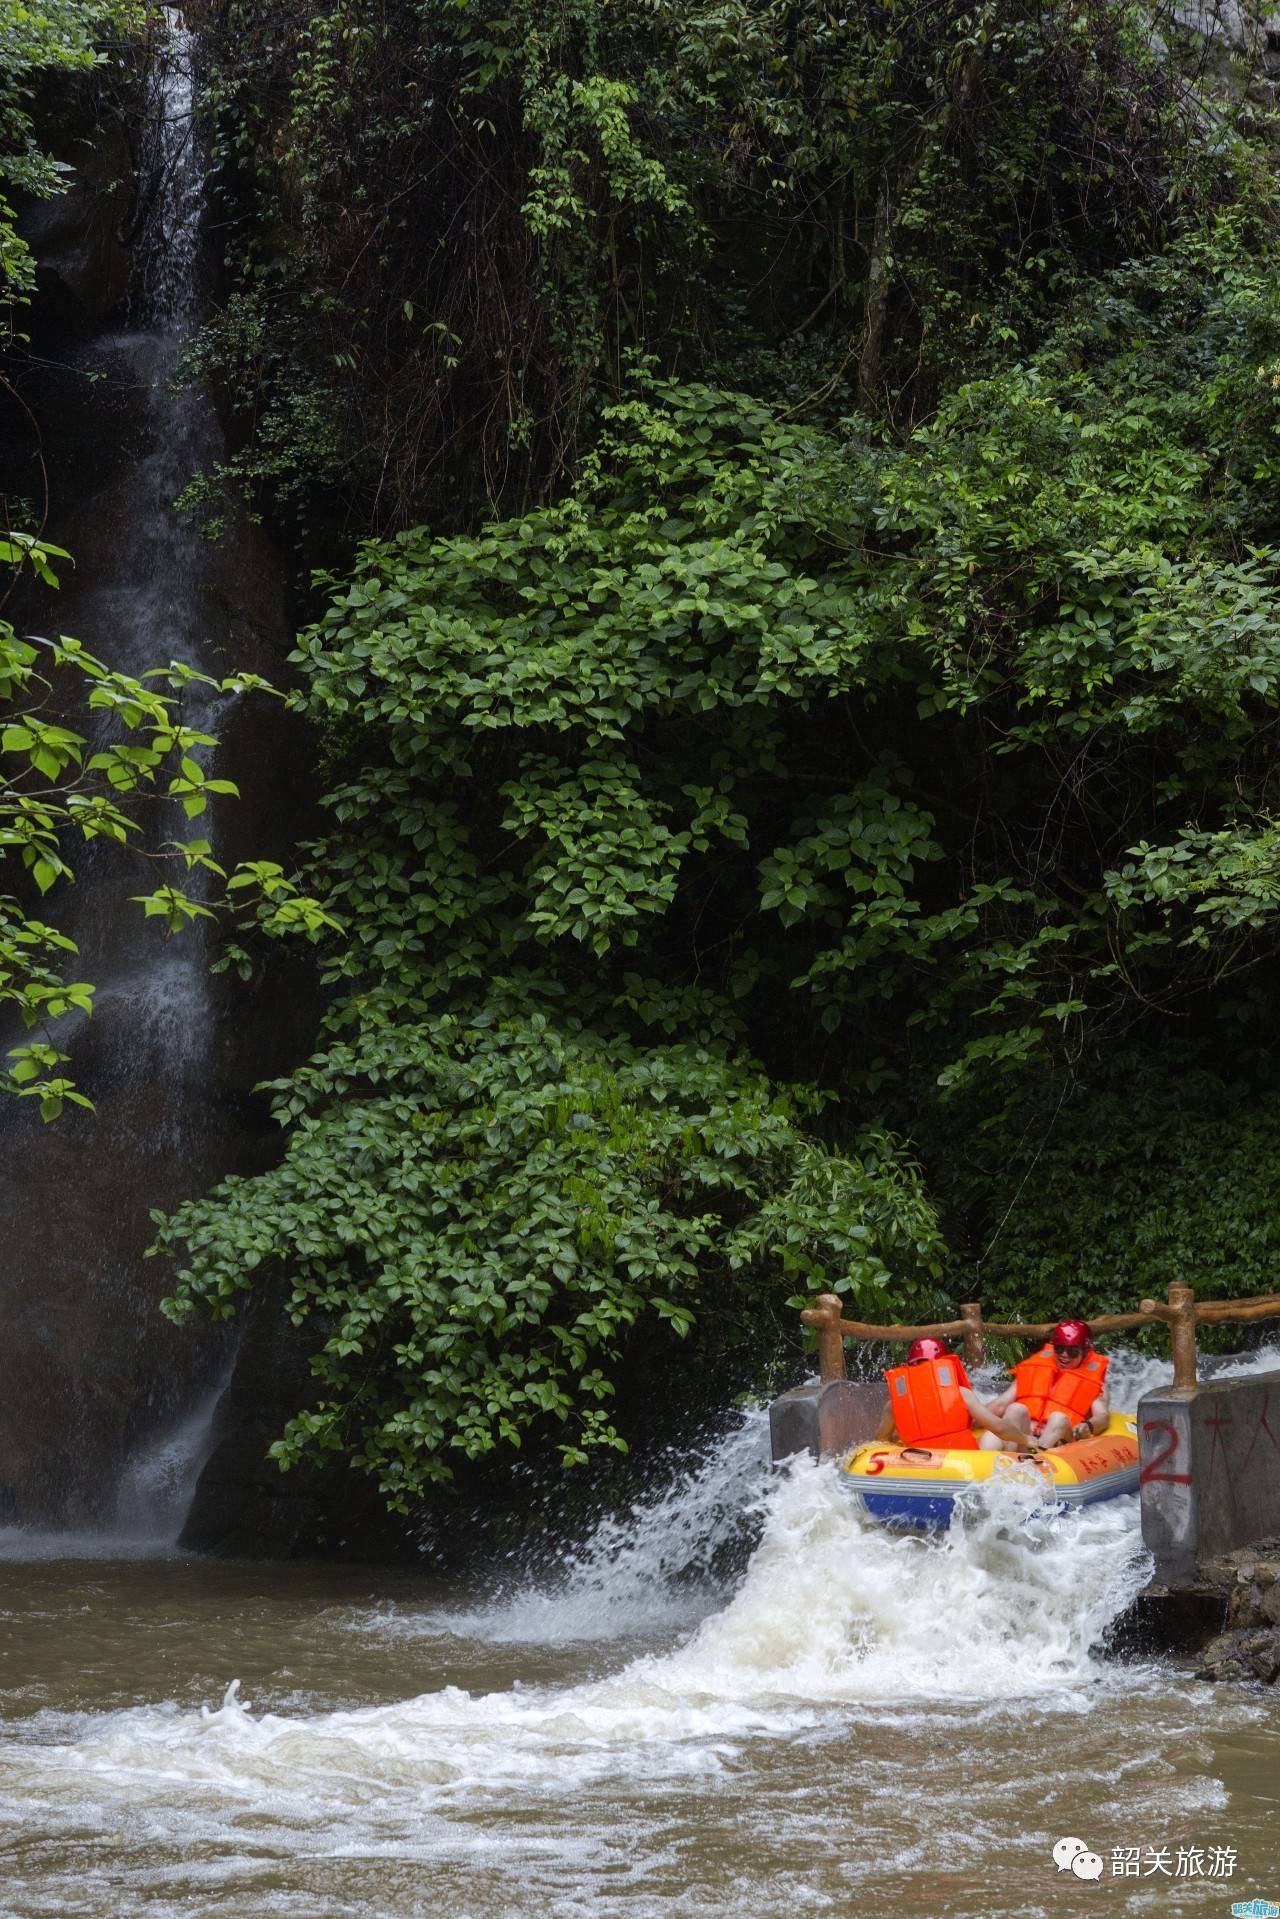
(1223, 20)
(90, 1371)
(81, 237)
(1223, 1658)
(1253, 1613)
(1161, 1620)
(1238, 59)
(1243, 1609)
(1242, 1655)
(244, 1506)
(1229, 1617)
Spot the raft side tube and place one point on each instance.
(916, 1485)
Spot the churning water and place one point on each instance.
(855, 1721)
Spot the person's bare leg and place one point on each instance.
(1057, 1429)
(1016, 1415)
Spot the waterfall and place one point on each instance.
(157, 1483)
(91, 1375)
(173, 185)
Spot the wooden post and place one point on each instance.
(1182, 1326)
(830, 1338)
(975, 1345)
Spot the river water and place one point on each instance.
(851, 1722)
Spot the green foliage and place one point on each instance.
(1153, 1168)
(482, 1196)
(453, 229)
(813, 684)
(870, 761)
(753, 646)
(60, 787)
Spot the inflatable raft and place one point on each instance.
(916, 1487)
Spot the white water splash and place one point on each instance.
(833, 1610)
(645, 1571)
(152, 1499)
(1133, 1374)
(816, 1743)
(1005, 1604)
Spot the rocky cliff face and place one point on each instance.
(82, 238)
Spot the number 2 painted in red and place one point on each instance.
(1151, 1470)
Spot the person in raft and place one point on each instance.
(931, 1403)
(1060, 1393)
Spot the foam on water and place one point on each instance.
(655, 1567)
(1133, 1374)
(31, 1545)
(833, 1610)
(812, 1741)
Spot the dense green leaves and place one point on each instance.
(814, 684)
(731, 597)
(1156, 1167)
(477, 1206)
(891, 766)
(454, 228)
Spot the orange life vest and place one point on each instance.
(1044, 1387)
(1076, 1387)
(926, 1402)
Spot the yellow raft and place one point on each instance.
(917, 1487)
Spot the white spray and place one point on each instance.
(833, 1610)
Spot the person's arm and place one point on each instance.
(989, 1419)
(885, 1430)
(1002, 1401)
(1099, 1414)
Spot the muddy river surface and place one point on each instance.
(853, 1722)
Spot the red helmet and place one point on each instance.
(927, 1348)
(1072, 1332)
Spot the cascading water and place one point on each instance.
(173, 186)
(90, 1374)
(656, 1570)
(155, 1487)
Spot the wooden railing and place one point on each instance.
(1182, 1313)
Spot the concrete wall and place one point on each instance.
(822, 1420)
(1210, 1471)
